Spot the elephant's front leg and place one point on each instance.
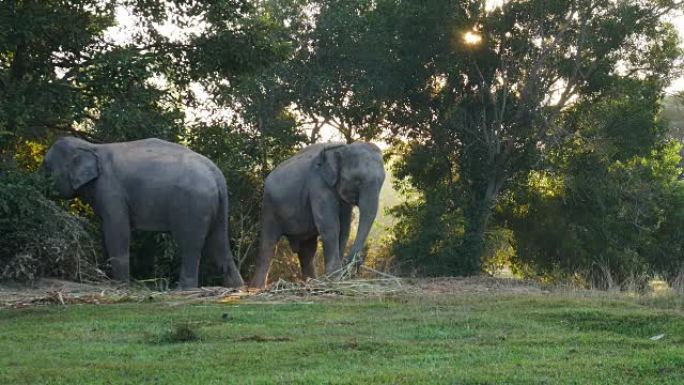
(331, 249)
(326, 217)
(345, 225)
(116, 230)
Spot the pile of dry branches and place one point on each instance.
(336, 284)
(356, 287)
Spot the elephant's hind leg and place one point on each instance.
(306, 253)
(190, 239)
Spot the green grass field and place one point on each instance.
(458, 338)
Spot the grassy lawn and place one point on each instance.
(526, 338)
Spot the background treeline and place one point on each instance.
(529, 135)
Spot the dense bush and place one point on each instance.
(610, 212)
(40, 237)
(614, 227)
(429, 237)
(426, 239)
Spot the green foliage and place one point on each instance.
(426, 237)
(126, 103)
(43, 46)
(606, 204)
(338, 71)
(241, 69)
(665, 252)
(39, 237)
(155, 259)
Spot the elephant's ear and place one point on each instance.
(329, 165)
(83, 169)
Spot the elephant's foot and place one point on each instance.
(233, 280)
(120, 271)
(188, 283)
(308, 272)
(260, 278)
(257, 283)
(334, 270)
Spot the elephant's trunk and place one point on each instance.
(368, 209)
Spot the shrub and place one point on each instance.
(426, 239)
(614, 224)
(40, 237)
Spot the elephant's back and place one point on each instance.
(159, 152)
(298, 166)
(302, 157)
(158, 164)
(151, 149)
(290, 176)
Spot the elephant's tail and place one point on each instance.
(217, 245)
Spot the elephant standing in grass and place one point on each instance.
(150, 185)
(312, 194)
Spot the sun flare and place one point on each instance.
(472, 38)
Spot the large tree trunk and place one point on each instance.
(477, 216)
(473, 239)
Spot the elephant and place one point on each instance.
(150, 185)
(312, 194)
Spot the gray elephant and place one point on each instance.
(313, 194)
(150, 185)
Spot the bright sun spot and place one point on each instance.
(471, 38)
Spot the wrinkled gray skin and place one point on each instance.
(149, 185)
(312, 194)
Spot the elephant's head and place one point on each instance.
(70, 163)
(357, 173)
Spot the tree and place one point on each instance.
(480, 111)
(606, 198)
(537, 58)
(336, 73)
(43, 47)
